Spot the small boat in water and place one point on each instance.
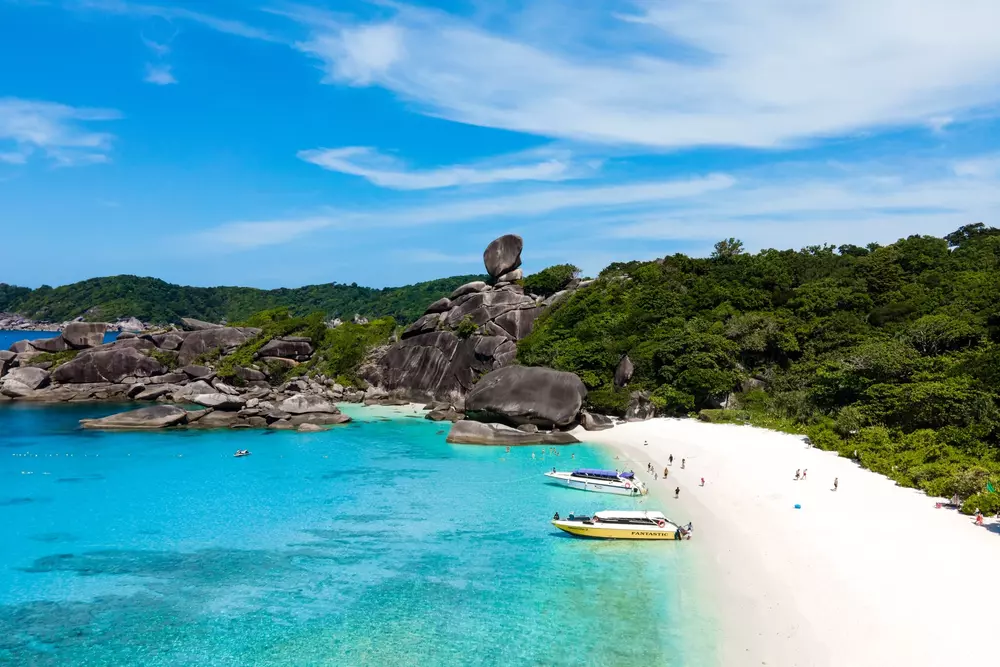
(623, 525)
(241, 452)
(602, 481)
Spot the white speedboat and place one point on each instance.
(616, 525)
(602, 481)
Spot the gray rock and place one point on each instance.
(25, 346)
(448, 414)
(157, 416)
(80, 335)
(309, 428)
(154, 392)
(169, 378)
(195, 415)
(640, 408)
(469, 288)
(528, 428)
(593, 422)
(323, 418)
(527, 395)
(503, 255)
(482, 307)
(426, 324)
(112, 365)
(219, 401)
(166, 341)
(193, 389)
(518, 323)
(306, 403)
(624, 371)
(511, 276)
(297, 349)
(32, 378)
(223, 339)
(250, 374)
(198, 372)
(216, 419)
(477, 433)
(439, 306)
(14, 389)
(280, 361)
(6, 361)
(55, 344)
(191, 324)
(283, 425)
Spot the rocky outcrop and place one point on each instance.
(32, 378)
(155, 417)
(81, 335)
(221, 339)
(219, 401)
(503, 255)
(477, 433)
(640, 408)
(594, 422)
(112, 365)
(191, 324)
(624, 371)
(301, 404)
(54, 344)
(527, 395)
(289, 347)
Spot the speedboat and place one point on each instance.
(619, 525)
(241, 452)
(602, 481)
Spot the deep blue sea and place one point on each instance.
(374, 543)
(8, 338)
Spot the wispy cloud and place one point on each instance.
(388, 172)
(244, 235)
(709, 72)
(161, 75)
(224, 25)
(56, 130)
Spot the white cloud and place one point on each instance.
(57, 130)
(161, 75)
(707, 72)
(244, 235)
(388, 172)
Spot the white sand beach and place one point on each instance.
(870, 574)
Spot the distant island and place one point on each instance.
(157, 302)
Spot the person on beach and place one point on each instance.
(677, 493)
(798, 474)
(683, 462)
(670, 460)
(645, 443)
(703, 481)
(836, 483)
(654, 476)
(804, 472)
(665, 472)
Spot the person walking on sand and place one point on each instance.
(798, 474)
(677, 493)
(683, 462)
(645, 443)
(804, 472)
(703, 481)
(836, 483)
(670, 460)
(665, 472)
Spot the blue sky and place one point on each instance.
(281, 144)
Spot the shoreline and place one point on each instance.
(871, 574)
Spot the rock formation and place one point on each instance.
(477, 433)
(527, 395)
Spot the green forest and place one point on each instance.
(160, 302)
(887, 354)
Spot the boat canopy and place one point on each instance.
(616, 514)
(597, 472)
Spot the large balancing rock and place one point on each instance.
(527, 395)
(503, 255)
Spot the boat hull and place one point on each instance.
(594, 485)
(617, 533)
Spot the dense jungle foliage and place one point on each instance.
(890, 355)
(159, 302)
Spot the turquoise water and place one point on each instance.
(374, 543)
(8, 338)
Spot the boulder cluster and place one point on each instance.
(161, 367)
(463, 336)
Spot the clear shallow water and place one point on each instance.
(8, 338)
(373, 543)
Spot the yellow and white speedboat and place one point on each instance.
(623, 525)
